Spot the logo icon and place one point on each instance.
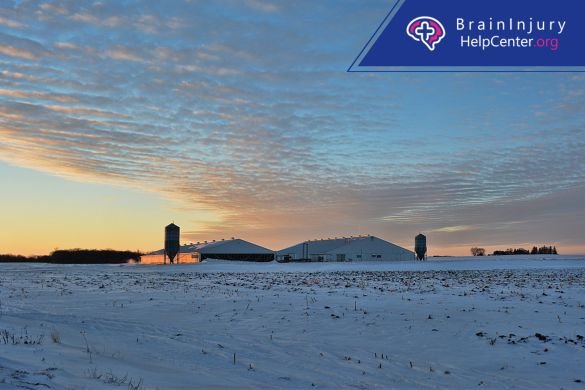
(427, 30)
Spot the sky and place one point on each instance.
(237, 118)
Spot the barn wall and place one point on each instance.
(259, 257)
(364, 249)
(184, 258)
(372, 250)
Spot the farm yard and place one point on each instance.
(515, 322)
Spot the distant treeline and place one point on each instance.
(14, 259)
(543, 250)
(77, 256)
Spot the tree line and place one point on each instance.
(543, 250)
(77, 256)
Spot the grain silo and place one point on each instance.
(172, 244)
(420, 246)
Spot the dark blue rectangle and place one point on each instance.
(542, 34)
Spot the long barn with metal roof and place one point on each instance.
(361, 248)
(233, 249)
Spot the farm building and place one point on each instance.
(362, 248)
(234, 249)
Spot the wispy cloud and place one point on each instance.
(455, 229)
(12, 51)
(264, 6)
(10, 23)
(123, 54)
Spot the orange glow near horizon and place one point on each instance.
(42, 213)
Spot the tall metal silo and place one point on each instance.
(172, 241)
(420, 246)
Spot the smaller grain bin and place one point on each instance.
(420, 247)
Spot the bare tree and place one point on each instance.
(475, 251)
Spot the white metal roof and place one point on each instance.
(339, 245)
(222, 247)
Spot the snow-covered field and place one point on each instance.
(451, 323)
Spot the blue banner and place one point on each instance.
(478, 35)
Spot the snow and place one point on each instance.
(507, 322)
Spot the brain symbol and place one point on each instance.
(426, 30)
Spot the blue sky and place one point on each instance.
(237, 118)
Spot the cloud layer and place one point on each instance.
(243, 108)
